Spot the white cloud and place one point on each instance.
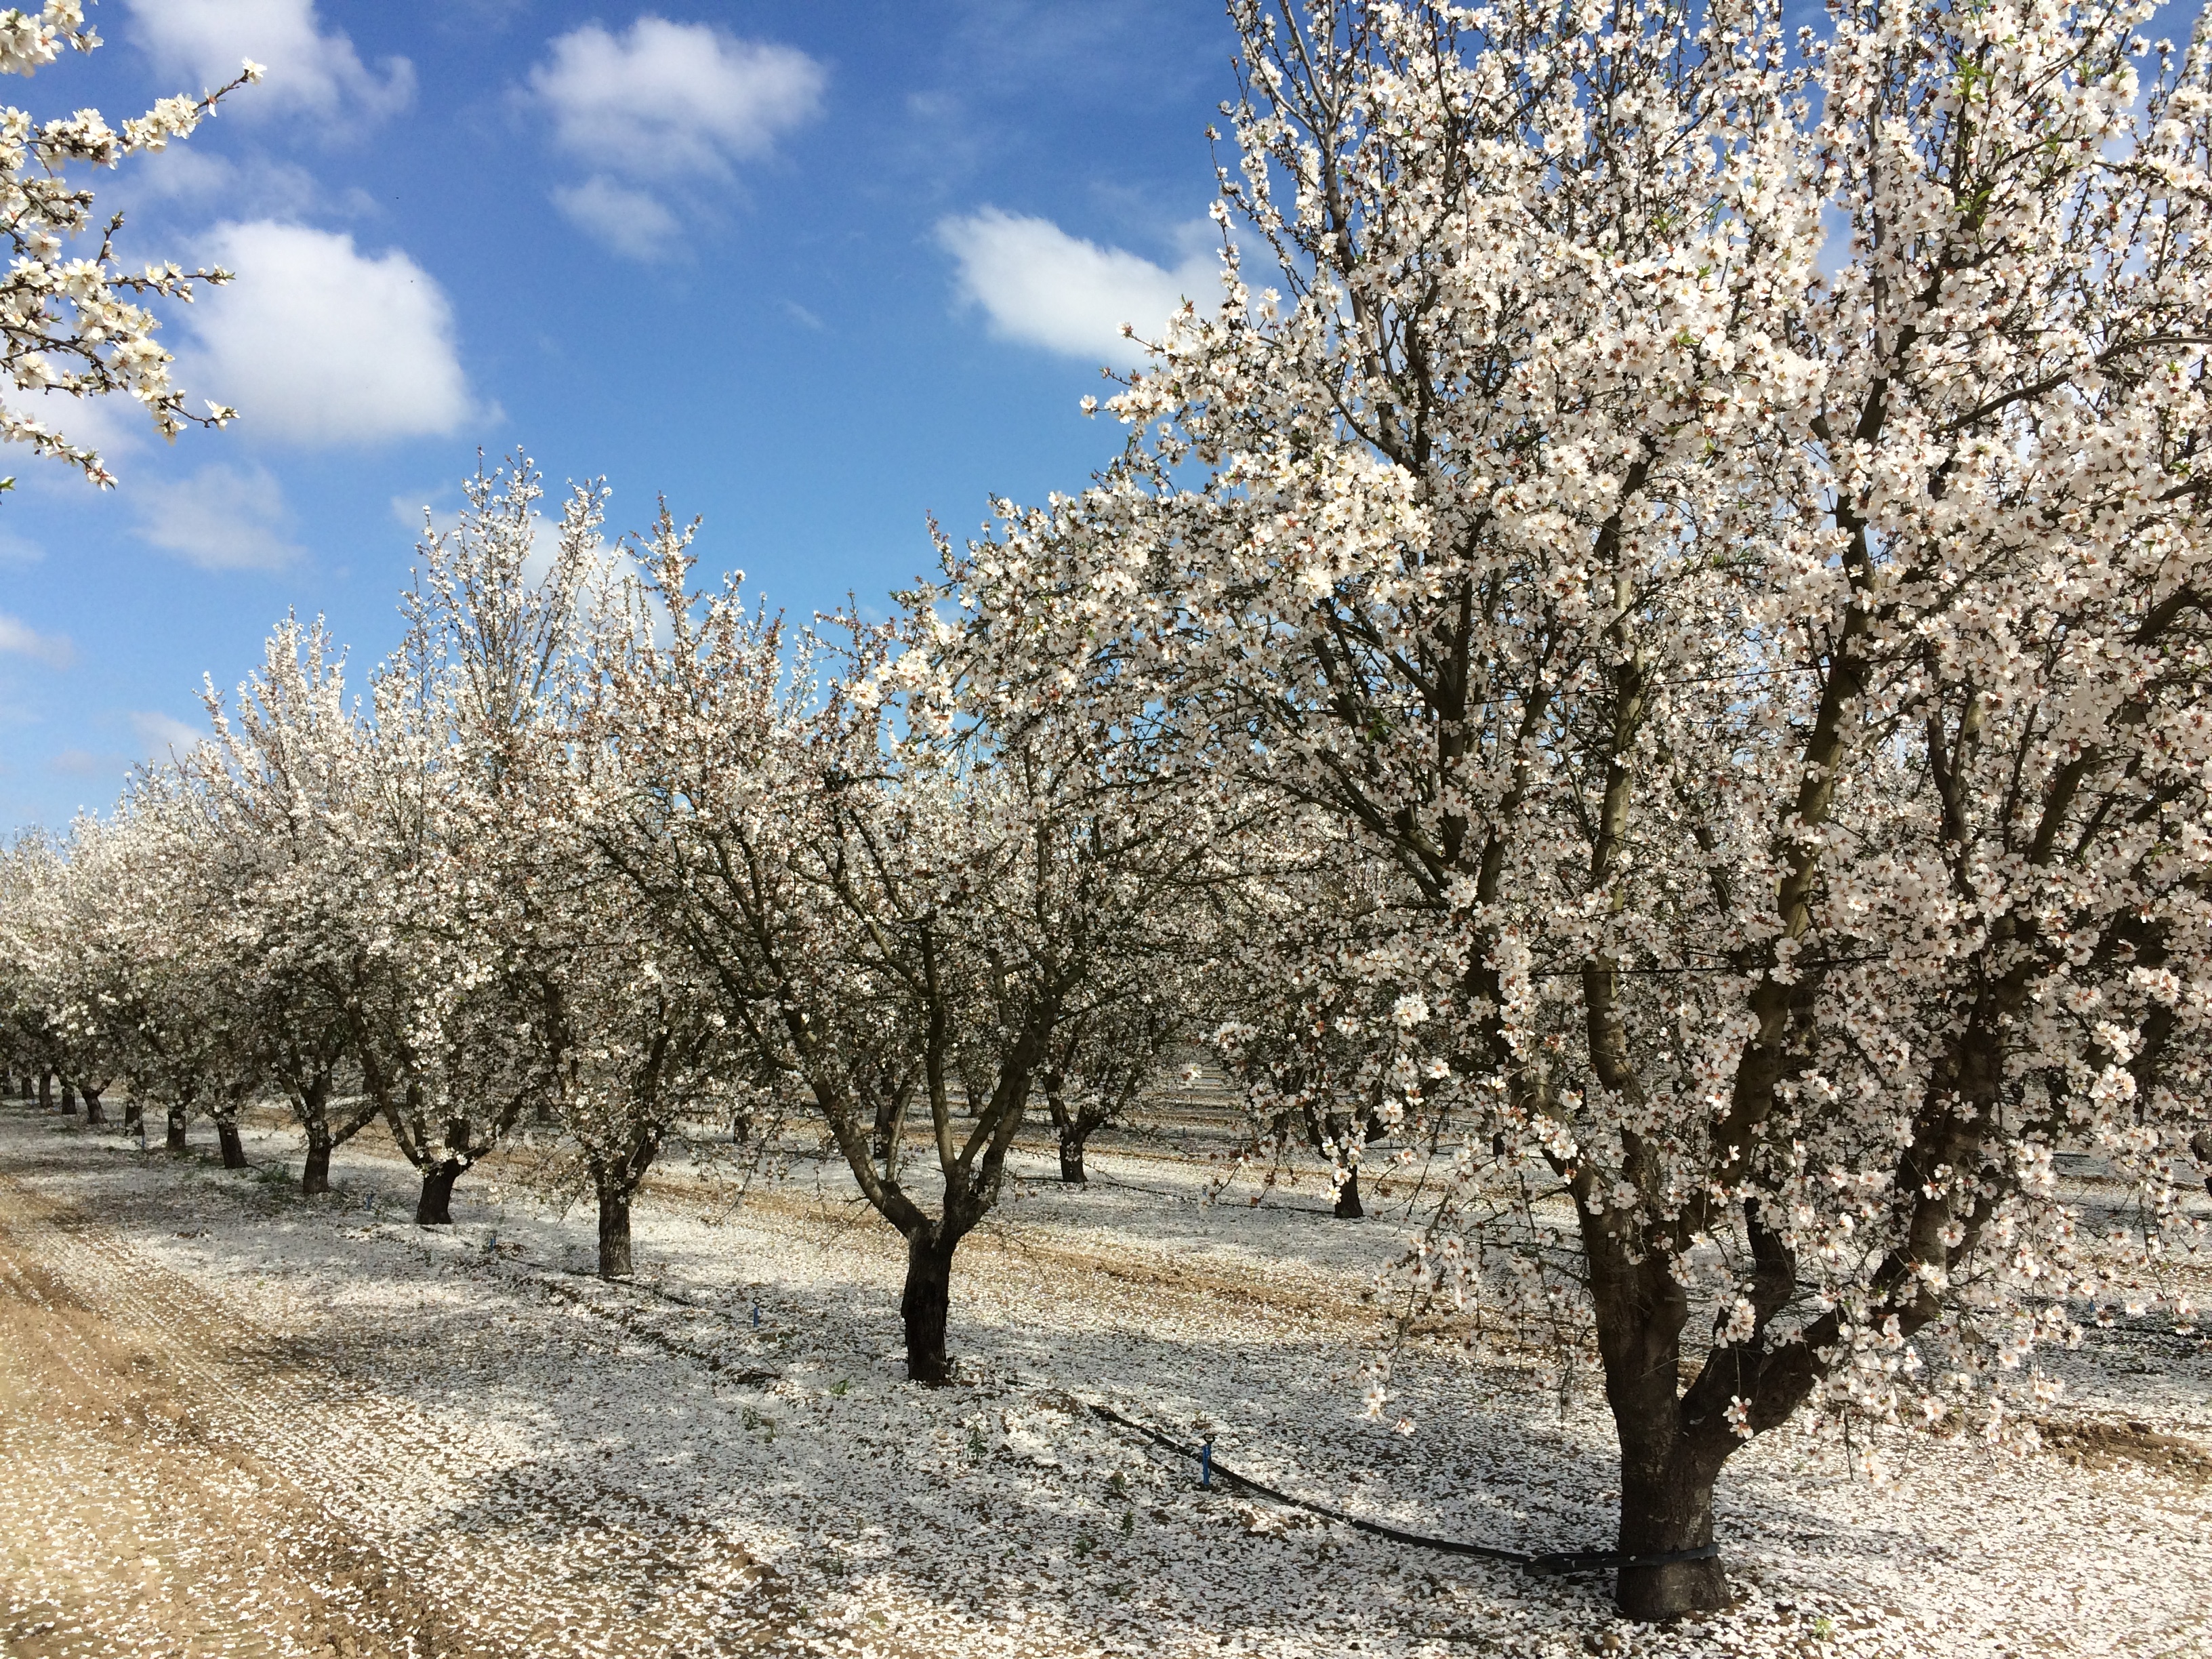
(20, 639)
(18, 549)
(627, 221)
(193, 176)
(665, 104)
(164, 737)
(316, 342)
(1042, 287)
(310, 71)
(222, 518)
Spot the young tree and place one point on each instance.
(71, 325)
(1311, 1017)
(284, 778)
(1102, 1061)
(453, 1035)
(146, 992)
(1723, 519)
(892, 905)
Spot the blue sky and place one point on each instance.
(812, 271)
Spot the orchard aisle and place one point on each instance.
(235, 1422)
(183, 1477)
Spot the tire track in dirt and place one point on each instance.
(285, 1464)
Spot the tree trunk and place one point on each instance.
(45, 1091)
(234, 1150)
(1669, 1459)
(614, 1233)
(69, 1098)
(927, 1301)
(1666, 1505)
(134, 1114)
(435, 1207)
(315, 1173)
(1348, 1207)
(94, 1111)
(1071, 1159)
(177, 1130)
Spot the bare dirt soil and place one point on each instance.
(163, 1469)
(234, 1421)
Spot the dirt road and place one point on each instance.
(176, 1480)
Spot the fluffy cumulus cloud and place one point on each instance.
(1041, 287)
(20, 639)
(664, 104)
(317, 342)
(222, 518)
(312, 69)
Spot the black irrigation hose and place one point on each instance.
(1567, 1561)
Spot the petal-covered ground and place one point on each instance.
(234, 1421)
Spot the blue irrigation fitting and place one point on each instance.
(756, 1315)
(491, 1244)
(1205, 1464)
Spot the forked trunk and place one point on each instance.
(1668, 1459)
(1071, 1159)
(234, 1150)
(177, 1130)
(315, 1173)
(927, 1301)
(435, 1207)
(94, 1111)
(614, 1234)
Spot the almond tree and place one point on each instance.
(147, 992)
(1721, 517)
(1312, 1018)
(451, 1031)
(896, 914)
(285, 778)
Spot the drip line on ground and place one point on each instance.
(1558, 1562)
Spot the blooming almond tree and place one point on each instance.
(452, 1036)
(72, 320)
(285, 776)
(899, 916)
(1723, 516)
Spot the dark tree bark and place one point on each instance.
(435, 1207)
(315, 1173)
(1071, 1159)
(234, 1150)
(613, 1181)
(927, 1304)
(45, 1091)
(177, 1130)
(614, 1234)
(1348, 1207)
(1666, 1505)
(134, 1114)
(69, 1098)
(94, 1111)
